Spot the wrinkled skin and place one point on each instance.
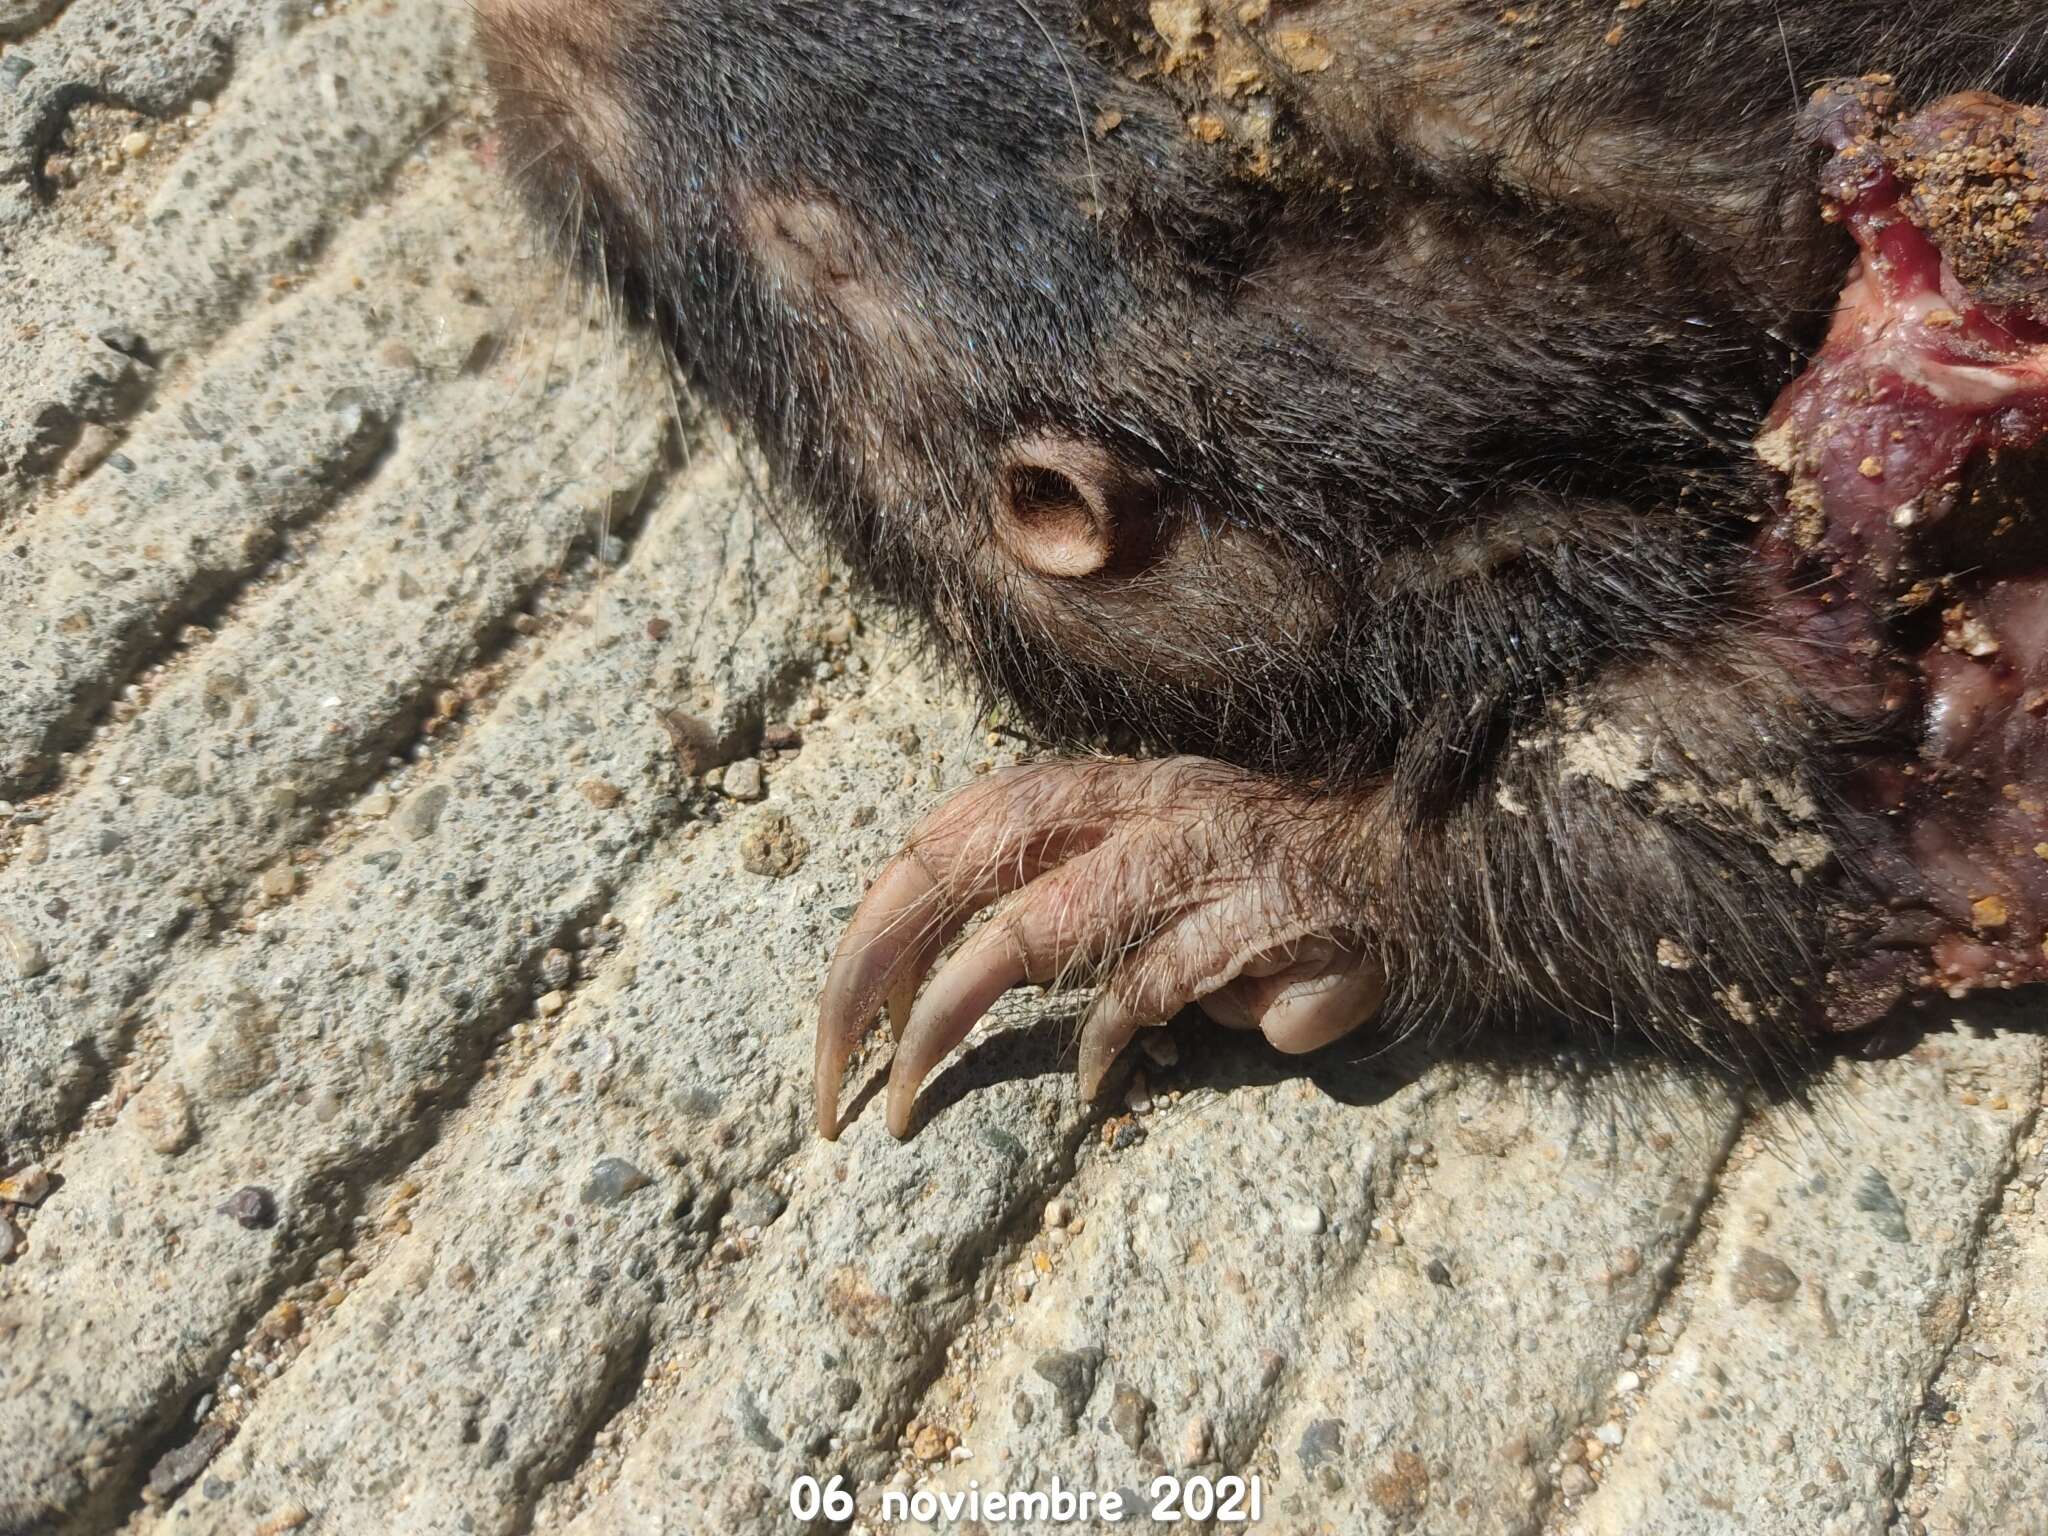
(1352, 404)
(1178, 871)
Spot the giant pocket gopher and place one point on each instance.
(1441, 433)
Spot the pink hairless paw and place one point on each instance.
(1170, 883)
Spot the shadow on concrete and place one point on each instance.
(1624, 1072)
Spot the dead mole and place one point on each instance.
(1422, 429)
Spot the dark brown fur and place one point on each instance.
(1418, 350)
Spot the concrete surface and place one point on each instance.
(404, 1046)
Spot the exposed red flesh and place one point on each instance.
(1911, 552)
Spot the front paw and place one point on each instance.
(1174, 882)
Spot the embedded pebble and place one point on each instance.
(162, 1114)
(744, 780)
(289, 1518)
(1197, 1440)
(601, 793)
(422, 813)
(27, 1187)
(252, 1206)
(756, 1206)
(1627, 1382)
(1761, 1276)
(95, 445)
(1130, 1416)
(1304, 1219)
(282, 1321)
(179, 1467)
(1608, 1434)
(1071, 1373)
(1058, 1212)
(22, 953)
(1574, 1481)
(611, 1181)
(11, 1240)
(772, 846)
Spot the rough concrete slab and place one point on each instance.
(311, 1055)
(1841, 1271)
(1978, 1463)
(1538, 1235)
(245, 744)
(415, 1031)
(308, 109)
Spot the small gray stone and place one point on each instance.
(752, 1422)
(611, 1180)
(756, 1205)
(1761, 1276)
(422, 813)
(1874, 1193)
(11, 1241)
(23, 955)
(1071, 1374)
(1322, 1441)
(744, 780)
(180, 1466)
(1130, 1415)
